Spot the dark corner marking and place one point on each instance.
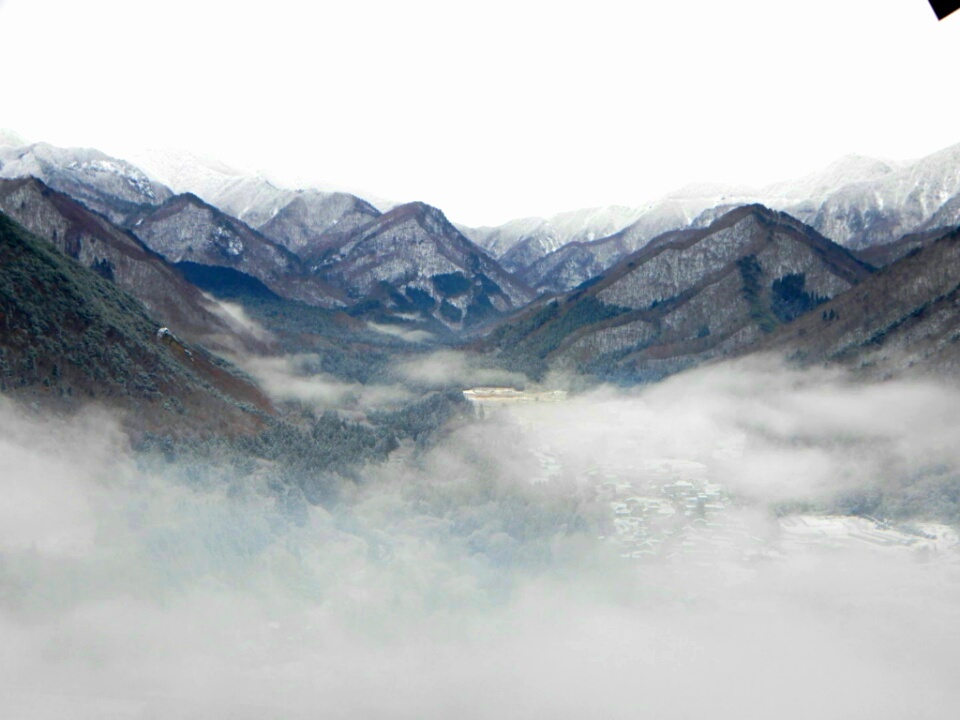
(944, 7)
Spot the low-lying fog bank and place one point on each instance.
(679, 551)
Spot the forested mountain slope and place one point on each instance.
(68, 336)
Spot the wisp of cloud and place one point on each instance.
(551, 559)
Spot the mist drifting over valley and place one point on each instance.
(389, 478)
(545, 559)
(529, 361)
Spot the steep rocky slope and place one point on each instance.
(187, 229)
(903, 319)
(686, 297)
(412, 259)
(313, 219)
(576, 262)
(573, 264)
(117, 255)
(68, 337)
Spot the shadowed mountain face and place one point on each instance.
(574, 264)
(412, 259)
(68, 336)
(117, 255)
(186, 229)
(686, 297)
(887, 253)
(903, 319)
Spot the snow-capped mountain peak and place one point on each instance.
(103, 183)
(846, 170)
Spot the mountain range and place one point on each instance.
(858, 202)
(292, 218)
(323, 249)
(685, 297)
(624, 294)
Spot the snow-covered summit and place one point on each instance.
(184, 171)
(103, 183)
(519, 243)
(237, 192)
(856, 200)
(296, 218)
(251, 195)
(872, 211)
(817, 185)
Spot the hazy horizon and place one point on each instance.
(221, 166)
(518, 111)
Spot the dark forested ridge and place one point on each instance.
(117, 255)
(905, 318)
(67, 336)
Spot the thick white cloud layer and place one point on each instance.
(455, 586)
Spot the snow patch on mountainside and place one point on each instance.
(584, 225)
(254, 197)
(234, 191)
(871, 212)
(818, 185)
(296, 219)
(520, 244)
(419, 254)
(105, 184)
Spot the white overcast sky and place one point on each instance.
(490, 110)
